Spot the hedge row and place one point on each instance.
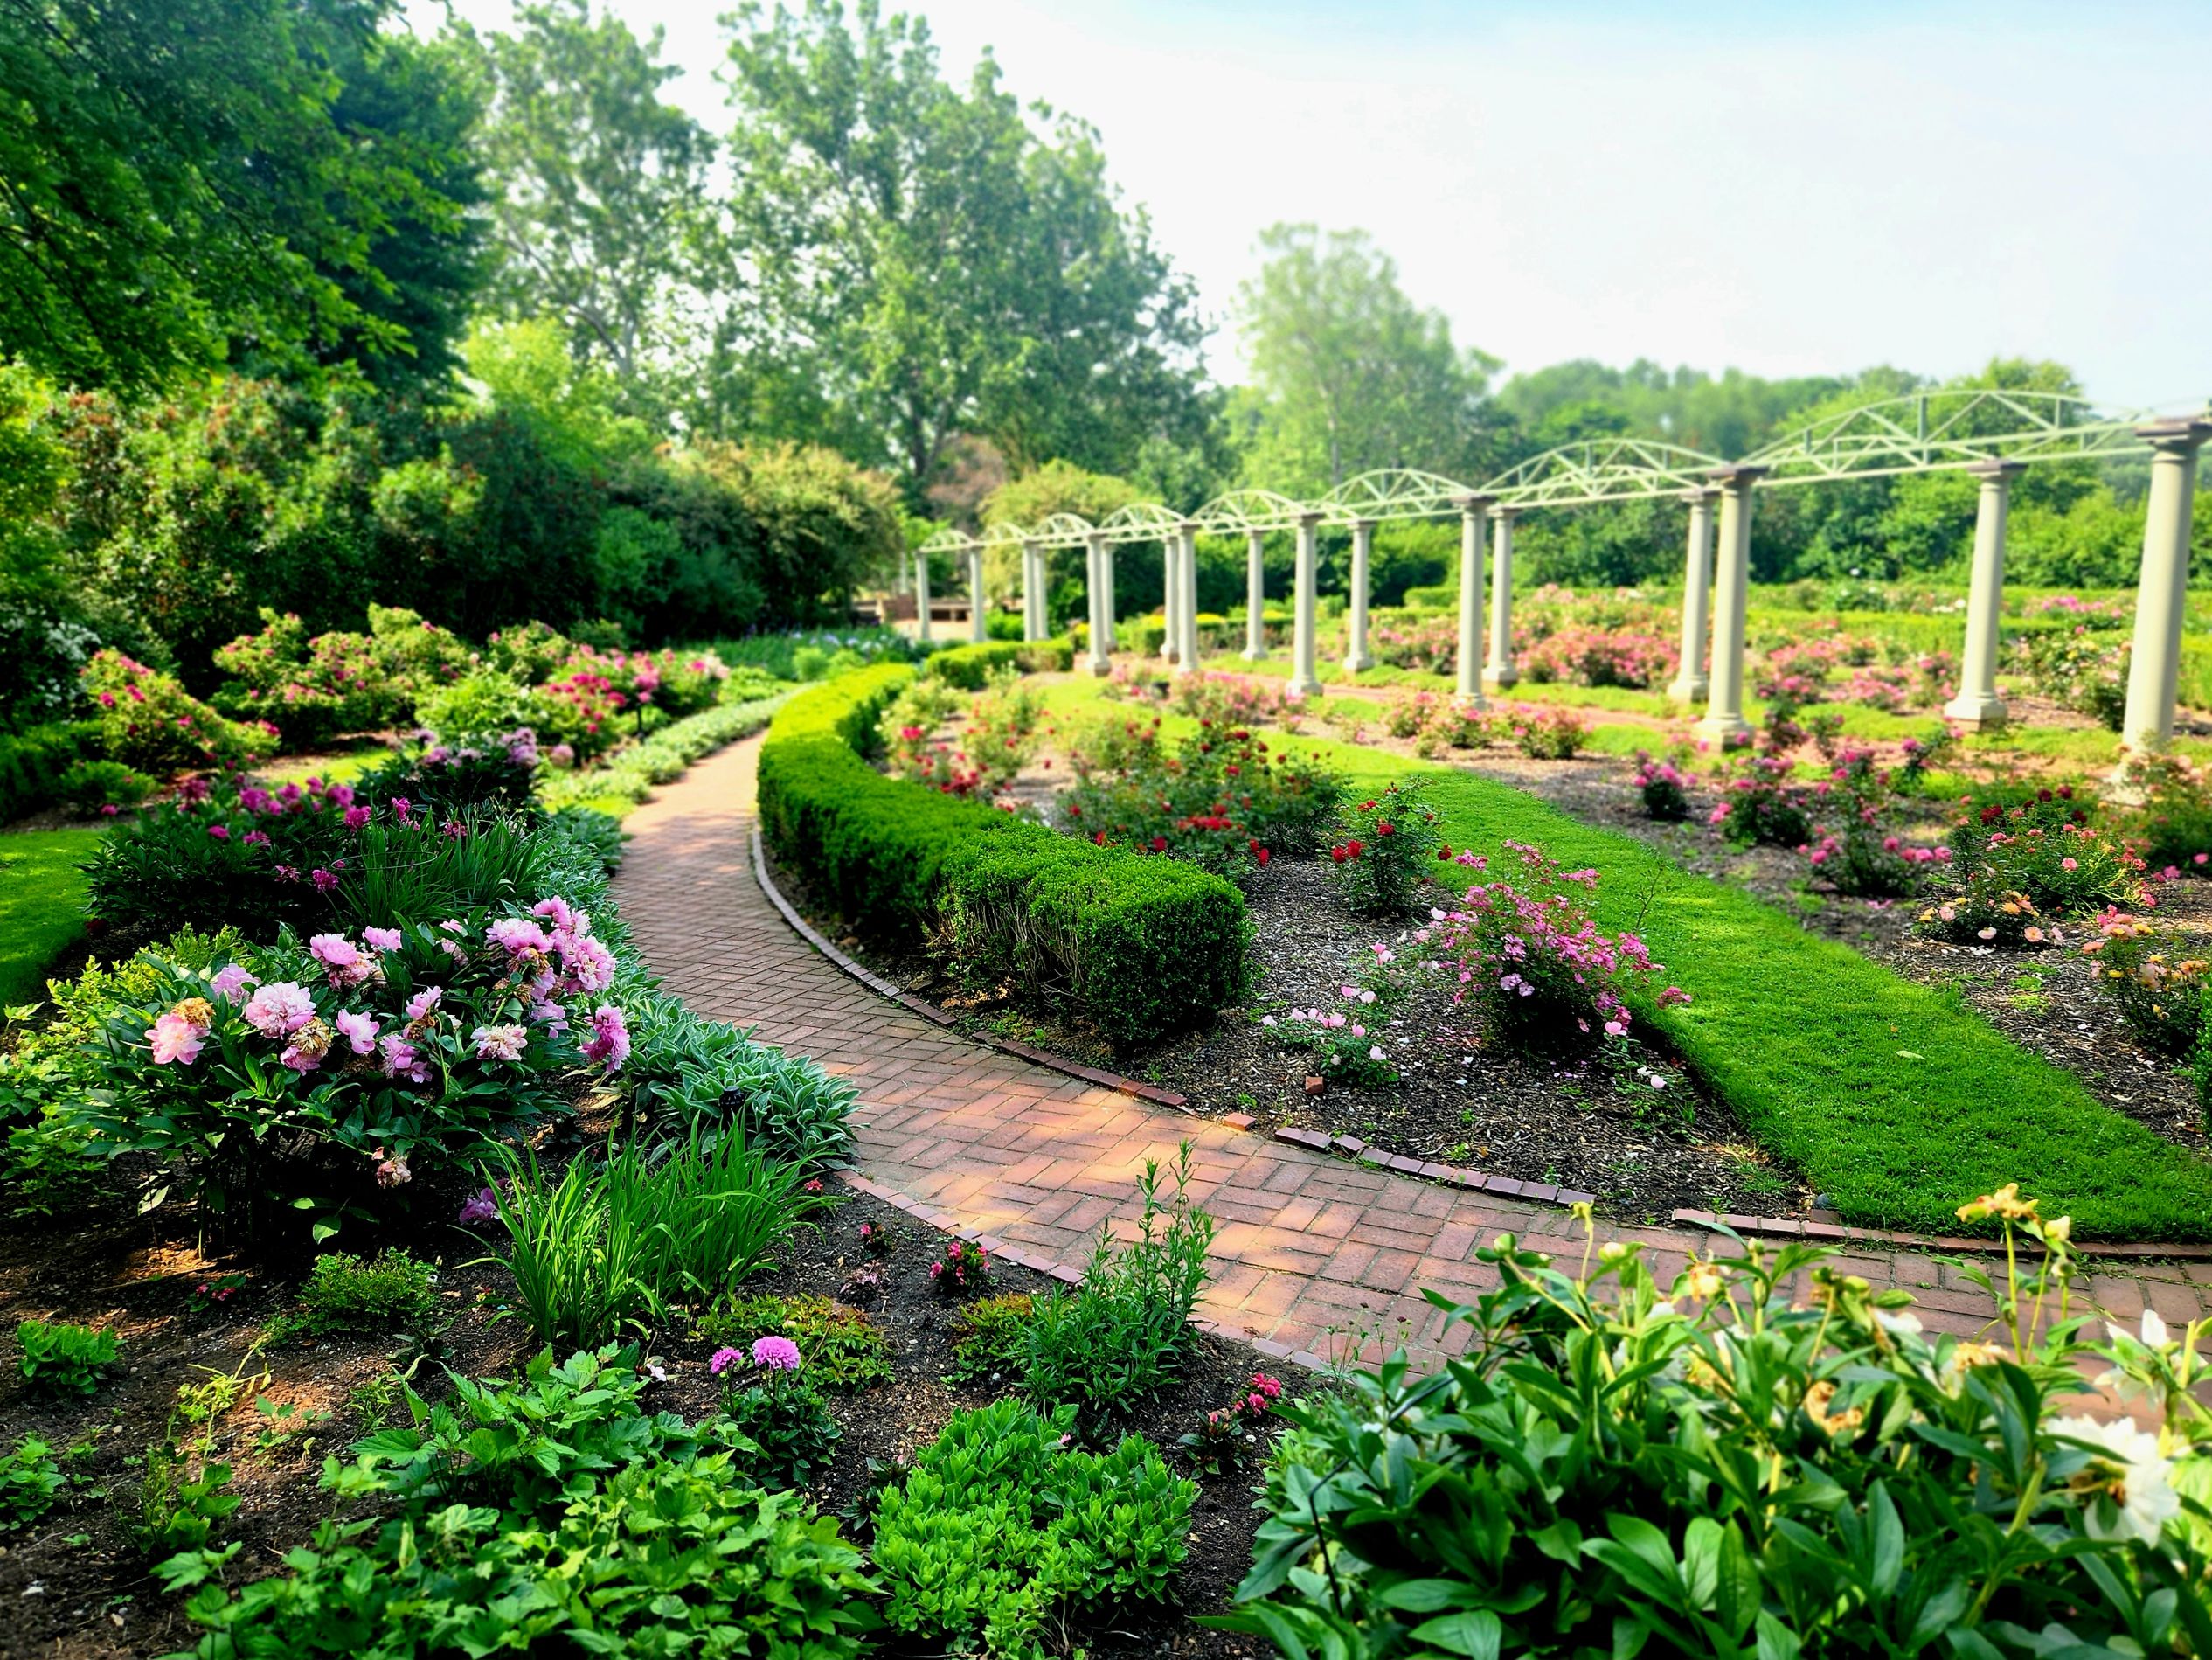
(1137, 947)
(969, 666)
(32, 761)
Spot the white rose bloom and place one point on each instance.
(2146, 1499)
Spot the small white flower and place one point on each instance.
(2153, 1328)
(2143, 1492)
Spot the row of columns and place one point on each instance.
(1715, 589)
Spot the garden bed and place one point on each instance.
(78, 1586)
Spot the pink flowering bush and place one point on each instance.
(2157, 977)
(1663, 789)
(1219, 1446)
(1529, 954)
(2172, 825)
(1543, 732)
(310, 690)
(311, 1076)
(1588, 656)
(1855, 842)
(148, 721)
(1762, 805)
(1345, 1035)
(963, 1270)
(2050, 848)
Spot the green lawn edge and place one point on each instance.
(1894, 1099)
(42, 905)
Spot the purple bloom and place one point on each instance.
(722, 1360)
(775, 1354)
(484, 1207)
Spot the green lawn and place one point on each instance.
(1895, 1099)
(42, 905)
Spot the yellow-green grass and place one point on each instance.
(1895, 1099)
(42, 904)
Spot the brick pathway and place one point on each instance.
(1313, 1253)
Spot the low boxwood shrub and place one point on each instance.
(1137, 947)
(1767, 1457)
(1001, 1533)
(33, 761)
(970, 667)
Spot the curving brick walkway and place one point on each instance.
(1313, 1254)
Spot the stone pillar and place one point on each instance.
(1032, 592)
(1723, 721)
(1255, 595)
(1186, 547)
(978, 630)
(1170, 602)
(921, 597)
(1096, 558)
(1499, 673)
(1105, 591)
(1304, 682)
(1473, 528)
(1357, 656)
(2154, 666)
(1688, 685)
(1978, 703)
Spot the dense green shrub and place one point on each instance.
(1769, 1456)
(970, 667)
(630, 774)
(999, 1533)
(1138, 947)
(791, 1433)
(64, 1359)
(394, 1291)
(34, 762)
(147, 719)
(685, 1071)
(91, 786)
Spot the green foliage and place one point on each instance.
(998, 1535)
(843, 1348)
(64, 1359)
(992, 1347)
(1120, 1337)
(790, 1435)
(685, 1071)
(91, 785)
(1734, 1468)
(34, 762)
(1141, 947)
(970, 667)
(29, 1480)
(394, 1291)
(181, 1501)
(630, 774)
(147, 719)
(1386, 849)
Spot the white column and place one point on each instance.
(1255, 595)
(2154, 666)
(921, 597)
(1304, 682)
(1186, 547)
(1499, 673)
(977, 630)
(1105, 592)
(1095, 556)
(1032, 592)
(1170, 602)
(1689, 685)
(1978, 703)
(1473, 512)
(1723, 718)
(1356, 656)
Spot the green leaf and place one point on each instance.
(1426, 1597)
(1777, 1641)
(1477, 1633)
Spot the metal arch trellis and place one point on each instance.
(1925, 431)
(1941, 431)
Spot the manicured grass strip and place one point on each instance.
(42, 905)
(1895, 1098)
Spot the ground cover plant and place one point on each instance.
(1884, 1092)
(1764, 1455)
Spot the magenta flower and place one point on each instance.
(402, 1059)
(609, 1043)
(229, 981)
(775, 1354)
(484, 1207)
(723, 1359)
(358, 1030)
(423, 1001)
(382, 939)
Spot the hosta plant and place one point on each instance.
(1765, 1458)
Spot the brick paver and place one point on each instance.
(1313, 1254)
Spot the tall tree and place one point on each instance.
(1352, 374)
(604, 215)
(933, 264)
(173, 180)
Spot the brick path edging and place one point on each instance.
(930, 1012)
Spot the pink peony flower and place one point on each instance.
(609, 1043)
(176, 1040)
(229, 981)
(334, 950)
(723, 1359)
(423, 1001)
(500, 1042)
(402, 1059)
(515, 934)
(358, 1030)
(775, 1354)
(278, 1009)
(382, 939)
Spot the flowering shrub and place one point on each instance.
(1767, 1457)
(323, 1071)
(779, 1412)
(1585, 656)
(1410, 716)
(1762, 805)
(148, 721)
(1543, 731)
(1888, 689)
(309, 690)
(963, 1270)
(1001, 730)
(1662, 787)
(2174, 824)
(1384, 849)
(1218, 1447)
(497, 770)
(1431, 645)
(1346, 1042)
(2157, 976)
(1530, 954)
(2084, 672)
(2049, 849)
(1232, 700)
(1855, 845)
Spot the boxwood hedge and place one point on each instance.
(969, 666)
(1136, 946)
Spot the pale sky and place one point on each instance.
(1789, 188)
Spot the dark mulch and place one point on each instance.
(73, 1584)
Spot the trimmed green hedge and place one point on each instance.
(969, 666)
(1137, 947)
(32, 761)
